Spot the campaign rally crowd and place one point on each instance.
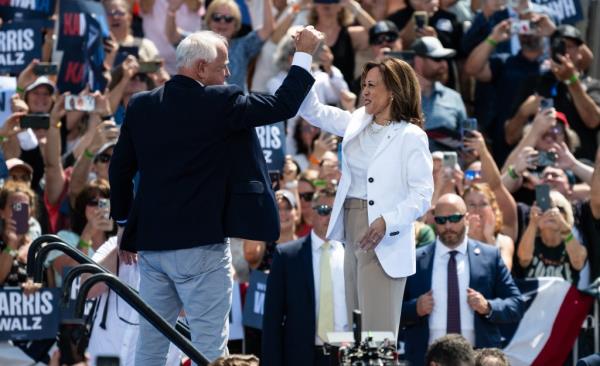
(512, 117)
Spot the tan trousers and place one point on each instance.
(368, 288)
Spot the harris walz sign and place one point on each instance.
(26, 9)
(29, 317)
(20, 43)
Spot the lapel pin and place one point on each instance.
(477, 251)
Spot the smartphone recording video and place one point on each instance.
(82, 103)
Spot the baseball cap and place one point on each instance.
(569, 31)
(560, 117)
(42, 80)
(106, 146)
(431, 47)
(289, 196)
(14, 162)
(382, 27)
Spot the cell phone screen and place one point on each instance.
(45, 69)
(275, 176)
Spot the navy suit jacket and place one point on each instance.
(488, 275)
(202, 177)
(289, 321)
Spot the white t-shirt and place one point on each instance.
(154, 29)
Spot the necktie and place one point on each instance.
(453, 320)
(325, 294)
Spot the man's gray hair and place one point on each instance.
(198, 46)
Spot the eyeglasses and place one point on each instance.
(21, 177)
(306, 196)
(103, 158)
(116, 12)
(92, 203)
(441, 220)
(385, 38)
(216, 17)
(323, 210)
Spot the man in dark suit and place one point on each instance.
(177, 138)
(305, 296)
(461, 286)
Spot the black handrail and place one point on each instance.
(81, 258)
(35, 247)
(62, 247)
(136, 302)
(74, 273)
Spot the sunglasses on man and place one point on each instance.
(216, 17)
(323, 210)
(306, 196)
(441, 220)
(103, 158)
(385, 38)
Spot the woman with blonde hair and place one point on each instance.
(549, 247)
(386, 185)
(486, 220)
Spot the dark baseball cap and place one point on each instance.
(382, 27)
(431, 47)
(568, 31)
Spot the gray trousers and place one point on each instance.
(198, 280)
(368, 288)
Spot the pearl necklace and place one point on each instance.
(374, 131)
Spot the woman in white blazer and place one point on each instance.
(386, 185)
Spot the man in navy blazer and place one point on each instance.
(291, 322)
(177, 138)
(461, 286)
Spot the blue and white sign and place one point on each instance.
(29, 317)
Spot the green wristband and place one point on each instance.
(84, 244)
(88, 154)
(572, 80)
(3, 138)
(19, 90)
(512, 173)
(569, 237)
(491, 41)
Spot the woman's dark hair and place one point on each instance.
(93, 189)
(301, 148)
(400, 79)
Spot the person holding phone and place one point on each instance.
(17, 207)
(549, 246)
(386, 185)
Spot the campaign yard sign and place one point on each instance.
(20, 43)
(272, 142)
(29, 317)
(254, 307)
(82, 28)
(8, 87)
(18, 10)
(565, 11)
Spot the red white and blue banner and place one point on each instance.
(554, 313)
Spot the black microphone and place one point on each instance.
(357, 327)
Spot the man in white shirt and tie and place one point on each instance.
(461, 286)
(305, 296)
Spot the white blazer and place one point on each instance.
(400, 177)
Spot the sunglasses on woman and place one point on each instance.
(103, 158)
(323, 210)
(385, 38)
(216, 17)
(441, 220)
(306, 196)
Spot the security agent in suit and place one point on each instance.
(302, 304)
(461, 286)
(176, 137)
